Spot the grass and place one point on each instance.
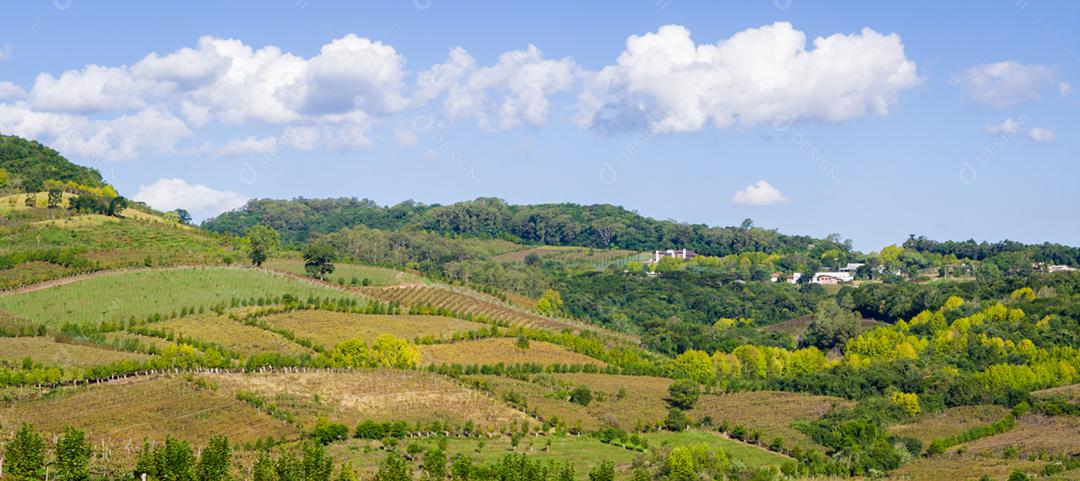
(329, 328)
(378, 394)
(119, 296)
(950, 422)
(376, 276)
(771, 412)
(125, 412)
(46, 351)
(501, 350)
(1070, 393)
(232, 335)
(750, 455)
(959, 468)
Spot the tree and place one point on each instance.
(24, 455)
(347, 473)
(434, 464)
(315, 464)
(262, 241)
(581, 395)
(683, 394)
(4, 179)
(531, 258)
(171, 217)
(393, 468)
(831, 326)
(604, 472)
(183, 215)
(550, 304)
(676, 420)
(56, 197)
(213, 464)
(73, 456)
(319, 260)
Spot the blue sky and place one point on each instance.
(947, 119)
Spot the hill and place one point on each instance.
(29, 164)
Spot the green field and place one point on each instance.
(750, 455)
(376, 276)
(117, 297)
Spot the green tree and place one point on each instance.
(347, 473)
(675, 420)
(434, 464)
(73, 456)
(262, 241)
(183, 215)
(393, 468)
(581, 395)
(680, 465)
(316, 465)
(319, 260)
(56, 197)
(263, 469)
(831, 326)
(604, 472)
(550, 304)
(683, 394)
(213, 464)
(24, 455)
(4, 179)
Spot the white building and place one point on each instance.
(852, 267)
(832, 278)
(684, 254)
(1060, 268)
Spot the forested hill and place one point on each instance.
(28, 164)
(600, 226)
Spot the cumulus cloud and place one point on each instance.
(1007, 127)
(1039, 134)
(120, 138)
(1004, 84)
(200, 200)
(758, 194)
(666, 82)
(11, 90)
(508, 94)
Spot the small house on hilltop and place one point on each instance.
(832, 278)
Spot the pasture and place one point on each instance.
(328, 328)
(950, 422)
(376, 276)
(232, 335)
(378, 394)
(48, 352)
(501, 350)
(120, 296)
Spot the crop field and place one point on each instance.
(539, 400)
(771, 412)
(1033, 434)
(124, 412)
(46, 351)
(329, 328)
(501, 350)
(232, 335)
(950, 422)
(376, 276)
(377, 394)
(475, 303)
(120, 296)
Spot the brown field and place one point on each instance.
(328, 328)
(566, 254)
(796, 327)
(45, 350)
(126, 411)
(1033, 434)
(771, 412)
(121, 336)
(467, 301)
(501, 350)
(641, 404)
(1070, 393)
(950, 422)
(379, 394)
(963, 468)
(229, 334)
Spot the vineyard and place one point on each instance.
(329, 328)
(45, 350)
(501, 351)
(771, 413)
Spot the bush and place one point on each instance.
(581, 395)
(326, 432)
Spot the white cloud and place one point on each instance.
(11, 90)
(1008, 83)
(121, 138)
(758, 194)
(508, 94)
(666, 82)
(1039, 134)
(200, 200)
(248, 146)
(92, 89)
(6, 51)
(350, 73)
(1007, 127)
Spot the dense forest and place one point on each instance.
(27, 164)
(598, 226)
